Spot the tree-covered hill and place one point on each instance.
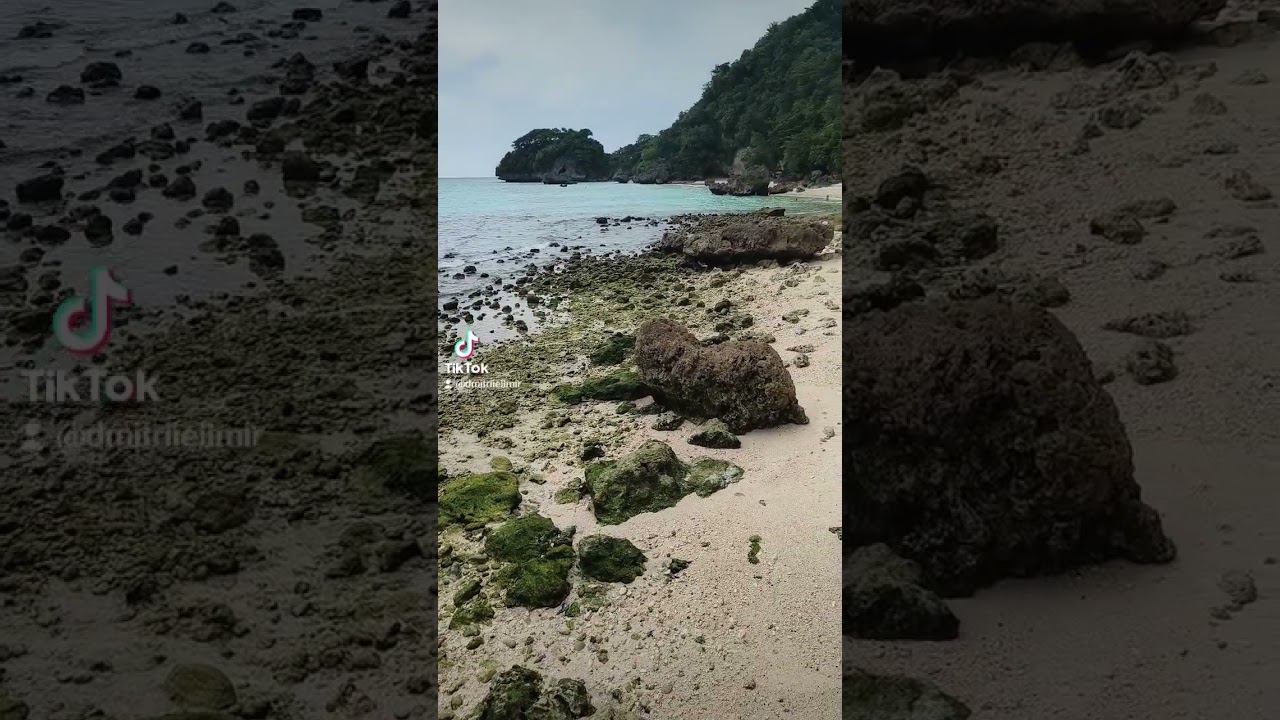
(554, 155)
(777, 105)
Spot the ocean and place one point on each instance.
(491, 230)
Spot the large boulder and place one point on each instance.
(979, 444)
(747, 237)
(744, 384)
(889, 31)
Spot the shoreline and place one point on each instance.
(756, 619)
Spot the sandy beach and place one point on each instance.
(1121, 640)
(724, 637)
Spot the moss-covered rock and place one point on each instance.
(647, 480)
(467, 590)
(537, 583)
(610, 559)
(527, 537)
(477, 610)
(715, 434)
(511, 694)
(617, 385)
(567, 394)
(707, 475)
(538, 558)
(479, 499)
(404, 464)
(877, 697)
(613, 351)
(518, 694)
(753, 552)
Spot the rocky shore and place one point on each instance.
(294, 577)
(1059, 404)
(628, 521)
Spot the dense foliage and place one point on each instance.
(559, 153)
(777, 105)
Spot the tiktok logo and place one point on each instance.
(83, 324)
(466, 347)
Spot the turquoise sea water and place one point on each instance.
(497, 226)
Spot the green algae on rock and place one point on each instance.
(479, 499)
(877, 697)
(538, 556)
(647, 480)
(477, 610)
(753, 555)
(610, 559)
(650, 479)
(405, 464)
(518, 694)
(707, 475)
(613, 351)
(715, 434)
(617, 385)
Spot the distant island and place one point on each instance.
(772, 114)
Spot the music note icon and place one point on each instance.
(466, 347)
(83, 324)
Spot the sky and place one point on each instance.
(619, 67)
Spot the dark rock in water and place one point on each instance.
(1151, 362)
(130, 179)
(179, 19)
(883, 32)
(720, 239)
(42, 188)
(198, 48)
(122, 151)
(66, 95)
(133, 226)
(265, 257)
(163, 131)
(300, 167)
(182, 188)
(986, 447)
(715, 434)
(223, 7)
(884, 600)
(218, 198)
(227, 226)
(879, 697)
(19, 221)
(610, 559)
(744, 384)
(13, 278)
(251, 187)
(266, 110)
(1163, 324)
(101, 74)
(221, 129)
(191, 110)
(98, 230)
(352, 70)
(52, 234)
(308, 14)
(147, 92)
(400, 9)
(39, 30)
